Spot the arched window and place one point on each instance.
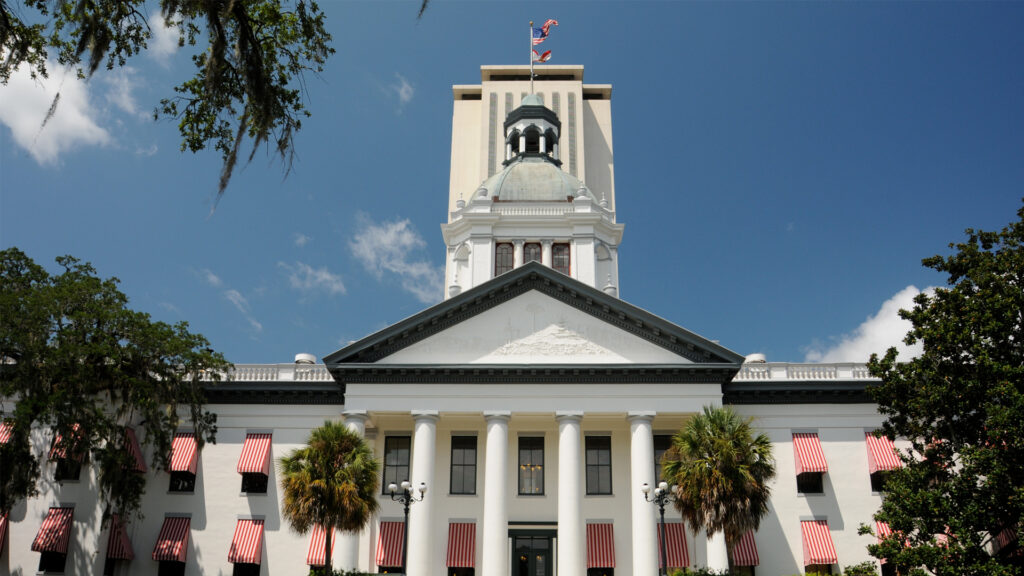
(504, 258)
(513, 139)
(531, 252)
(532, 139)
(560, 258)
(550, 140)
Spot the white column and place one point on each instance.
(508, 151)
(494, 559)
(718, 553)
(421, 533)
(517, 253)
(522, 143)
(543, 145)
(347, 556)
(644, 528)
(572, 545)
(545, 252)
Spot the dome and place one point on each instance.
(533, 179)
(532, 100)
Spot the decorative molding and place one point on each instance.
(326, 393)
(807, 392)
(533, 374)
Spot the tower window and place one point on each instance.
(504, 258)
(531, 253)
(560, 258)
(532, 140)
(513, 140)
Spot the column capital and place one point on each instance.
(546, 241)
(359, 415)
(425, 416)
(570, 415)
(640, 416)
(518, 241)
(492, 415)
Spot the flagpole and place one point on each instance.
(531, 56)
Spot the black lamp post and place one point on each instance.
(406, 497)
(662, 495)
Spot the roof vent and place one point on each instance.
(756, 358)
(305, 359)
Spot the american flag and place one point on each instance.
(541, 34)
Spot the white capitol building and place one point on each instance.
(532, 402)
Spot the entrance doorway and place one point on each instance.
(533, 554)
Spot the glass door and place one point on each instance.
(532, 556)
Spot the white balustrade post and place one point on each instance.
(421, 533)
(571, 542)
(644, 528)
(494, 560)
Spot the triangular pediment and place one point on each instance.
(533, 316)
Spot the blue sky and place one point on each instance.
(781, 169)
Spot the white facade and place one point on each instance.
(536, 371)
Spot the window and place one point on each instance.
(182, 482)
(246, 569)
(389, 570)
(504, 258)
(810, 483)
(254, 483)
(600, 571)
(172, 569)
(599, 464)
(396, 461)
(52, 562)
(463, 465)
(68, 469)
(461, 571)
(531, 465)
(662, 442)
(109, 566)
(878, 481)
(741, 571)
(560, 258)
(532, 139)
(531, 252)
(818, 569)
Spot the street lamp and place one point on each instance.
(406, 497)
(662, 495)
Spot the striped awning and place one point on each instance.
(255, 456)
(184, 453)
(461, 545)
(818, 547)
(118, 545)
(675, 546)
(744, 553)
(172, 543)
(600, 546)
(389, 544)
(881, 454)
(3, 529)
(131, 441)
(247, 545)
(60, 446)
(809, 457)
(55, 533)
(1005, 537)
(883, 530)
(316, 556)
(5, 432)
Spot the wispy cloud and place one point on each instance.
(236, 298)
(210, 278)
(27, 101)
(305, 278)
(122, 83)
(403, 90)
(876, 334)
(164, 42)
(301, 239)
(387, 248)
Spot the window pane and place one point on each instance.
(503, 258)
(531, 253)
(531, 465)
(396, 461)
(662, 442)
(463, 472)
(560, 258)
(599, 464)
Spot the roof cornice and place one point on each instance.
(533, 373)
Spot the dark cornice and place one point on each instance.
(275, 392)
(807, 392)
(526, 112)
(534, 276)
(534, 373)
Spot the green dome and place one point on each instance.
(532, 100)
(533, 179)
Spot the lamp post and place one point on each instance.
(662, 495)
(406, 497)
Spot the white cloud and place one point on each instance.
(301, 239)
(26, 102)
(151, 151)
(164, 42)
(122, 83)
(387, 247)
(305, 278)
(403, 90)
(211, 278)
(236, 298)
(874, 335)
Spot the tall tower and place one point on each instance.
(532, 178)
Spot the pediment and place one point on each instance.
(533, 315)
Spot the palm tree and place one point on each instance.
(330, 482)
(722, 472)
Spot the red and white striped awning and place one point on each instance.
(3, 529)
(461, 545)
(809, 457)
(744, 552)
(255, 456)
(118, 545)
(172, 543)
(184, 453)
(675, 546)
(1005, 537)
(60, 446)
(247, 545)
(818, 547)
(600, 546)
(316, 555)
(881, 454)
(132, 442)
(389, 544)
(883, 530)
(55, 533)
(5, 432)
